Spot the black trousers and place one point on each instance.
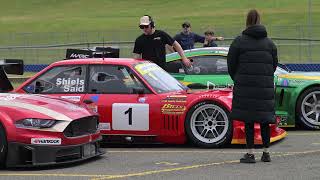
(265, 134)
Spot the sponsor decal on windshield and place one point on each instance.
(71, 85)
(146, 68)
(46, 141)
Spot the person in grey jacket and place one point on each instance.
(252, 60)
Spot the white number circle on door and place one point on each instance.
(130, 116)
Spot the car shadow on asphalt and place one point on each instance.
(56, 166)
(186, 146)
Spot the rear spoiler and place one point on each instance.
(9, 66)
(97, 52)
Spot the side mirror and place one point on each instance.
(87, 101)
(138, 90)
(39, 87)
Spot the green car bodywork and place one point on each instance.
(297, 93)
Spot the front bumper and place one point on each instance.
(27, 155)
(239, 135)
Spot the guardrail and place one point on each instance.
(293, 67)
(290, 50)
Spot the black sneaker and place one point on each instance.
(248, 158)
(265, 157)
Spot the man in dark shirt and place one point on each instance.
(187, 39)
(151, 45)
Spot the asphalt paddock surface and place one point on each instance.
(295, 157)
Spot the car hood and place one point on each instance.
(21, 106)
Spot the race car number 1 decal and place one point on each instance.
(130, 116)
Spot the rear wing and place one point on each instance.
(9, 66)
(96, 52)
(12, 66)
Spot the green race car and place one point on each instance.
(297, 93)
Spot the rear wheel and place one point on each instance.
(3, 146)
(207, 125)
(308, 108)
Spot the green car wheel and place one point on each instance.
(308, 108)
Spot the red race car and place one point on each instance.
(41, 130)
(140, 102)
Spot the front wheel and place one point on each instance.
(207, 125)
(3, 147)
(308, 108)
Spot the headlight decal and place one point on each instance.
(35, 123)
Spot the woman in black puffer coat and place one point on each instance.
(252, 60)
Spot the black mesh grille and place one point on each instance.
(83, 126)
(68, 154)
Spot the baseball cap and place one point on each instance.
(145, 20)
(186, 24)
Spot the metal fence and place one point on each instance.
(296, 44)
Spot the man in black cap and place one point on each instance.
(187, 39)
(151, 45)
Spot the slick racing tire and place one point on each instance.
(207, 125)
(3, 147)
(308, 108)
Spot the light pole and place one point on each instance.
(309, 30)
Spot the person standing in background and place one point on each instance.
(252, 60)
(151, 45)
(187, 39)
(209, 39)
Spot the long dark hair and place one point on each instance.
(253, 18)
